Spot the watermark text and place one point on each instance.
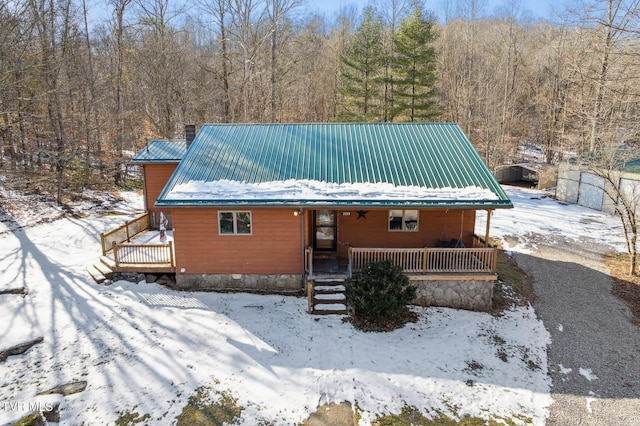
(25, 406)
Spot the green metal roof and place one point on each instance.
(162, 151)
(425, 155)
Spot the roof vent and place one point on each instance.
(189, 133)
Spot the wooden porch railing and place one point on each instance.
(124, 233)
(427, 260)
(143, 256)
(308, 261)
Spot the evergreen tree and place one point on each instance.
(414, 63)
(361, 72)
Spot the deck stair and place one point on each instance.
(102, 270)
(327, 295)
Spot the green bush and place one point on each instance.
(379, 294)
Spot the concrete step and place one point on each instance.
(97, 276)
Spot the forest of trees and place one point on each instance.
(82, 85)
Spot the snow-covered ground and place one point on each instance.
(144, 348)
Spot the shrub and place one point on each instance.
(378, 295)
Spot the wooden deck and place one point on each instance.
(134, 248)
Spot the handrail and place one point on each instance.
(308, 269)
(428, 260)
(124, 232)
(308, 261)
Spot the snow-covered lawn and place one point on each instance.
(144, 348)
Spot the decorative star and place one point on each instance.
(362, 214)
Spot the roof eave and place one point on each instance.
(172, 161)
(460, 204)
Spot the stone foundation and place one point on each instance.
(253, 283)
(474, 295)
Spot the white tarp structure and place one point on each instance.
(579, 186)
(591, 191)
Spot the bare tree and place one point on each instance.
(218, 12)
(12, 39)
(609, 23)
(622, 193)
(248, 31)
(92, 119)
(53, 26)
(277, 10)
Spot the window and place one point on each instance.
(403, 220)
(234, 223)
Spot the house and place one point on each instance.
(284, 207)
(158, 160)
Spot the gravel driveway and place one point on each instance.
(594, 357)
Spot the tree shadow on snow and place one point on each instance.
(86, 336)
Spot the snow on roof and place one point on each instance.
(312, 190)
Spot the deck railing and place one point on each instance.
(308, 261)
(141, 256)
(124, 233)
(427, 260)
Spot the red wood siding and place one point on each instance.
(433, 226)
(273, 248)
(156, 177)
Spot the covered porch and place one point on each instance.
(420, 241)
(451, 277)
(449, 264)
(479, 260)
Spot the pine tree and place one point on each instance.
(414, 63)
(361, 72)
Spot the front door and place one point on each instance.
(325, 230)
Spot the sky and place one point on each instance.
(537, 8)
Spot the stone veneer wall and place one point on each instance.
(473, 295)
(448, 292)
(286, 283)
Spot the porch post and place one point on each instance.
(114, 246)
(301, 214)
(486, 235)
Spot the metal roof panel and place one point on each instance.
(427, 155)
(161, 151)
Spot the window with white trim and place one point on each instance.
(403, 220)
(234, 223)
